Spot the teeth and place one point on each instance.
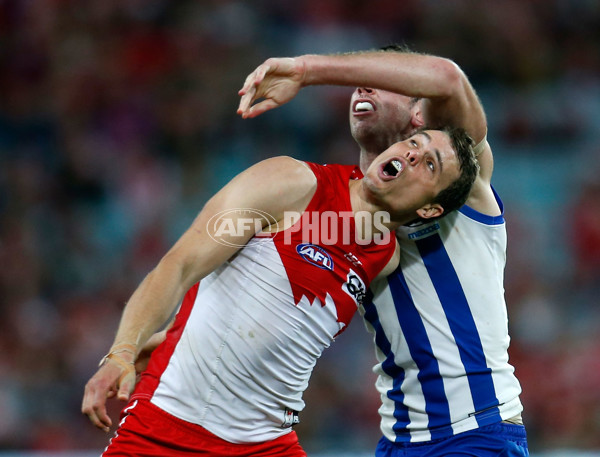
(392, 168)
(364, 106)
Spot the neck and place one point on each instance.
(372, 219)
(366, 157)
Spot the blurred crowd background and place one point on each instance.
(117, 122)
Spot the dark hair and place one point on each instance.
(455, 195)
(397, 47)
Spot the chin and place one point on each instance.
(359, 131)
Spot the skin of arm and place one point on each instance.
(277, 185)
(391, 265)
(449, 97)
(449, 93)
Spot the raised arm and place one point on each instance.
(452, 98)
(449, 97)
(272, 186)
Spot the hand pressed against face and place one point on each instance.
(407, 176)
(379, 118)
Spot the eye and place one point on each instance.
(431, 165)
(413, 143)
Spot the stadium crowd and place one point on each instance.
(117, 121)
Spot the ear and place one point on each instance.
(416, 118)
(430, 210)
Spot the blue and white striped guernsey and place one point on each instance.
(441, 331)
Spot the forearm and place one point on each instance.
(149, 307)
(151, 304)
(449, 98)
(414, 75)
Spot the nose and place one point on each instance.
(365, 90)
(413, 157)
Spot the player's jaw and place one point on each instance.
(379, 118)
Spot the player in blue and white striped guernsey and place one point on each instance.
(439, 320)
(441, 332)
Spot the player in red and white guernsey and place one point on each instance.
(440, 319)
(229, 378)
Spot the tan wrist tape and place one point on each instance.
(129, 367)
(113, 355)
(123, 347)
(479, 147)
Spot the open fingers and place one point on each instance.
(94, 404)
(115, 377)
(246, 101)
(254, 78)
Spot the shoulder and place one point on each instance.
(279, 175)
(280, 168)
(283, 184)
(274, 185)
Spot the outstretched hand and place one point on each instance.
(113, 378)
(274, 83)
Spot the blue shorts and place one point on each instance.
(496, 440)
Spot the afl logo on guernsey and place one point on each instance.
(316, 255)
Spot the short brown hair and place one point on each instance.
(455, 195)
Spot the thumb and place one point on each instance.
(261, 107)
(126, 386)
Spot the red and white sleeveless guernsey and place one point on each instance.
(246, 339)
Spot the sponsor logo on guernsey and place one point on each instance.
(355, 287)
(290, 417)
(424, 232)
(316, 255)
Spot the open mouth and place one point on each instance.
(391, 169)
(363, 106)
